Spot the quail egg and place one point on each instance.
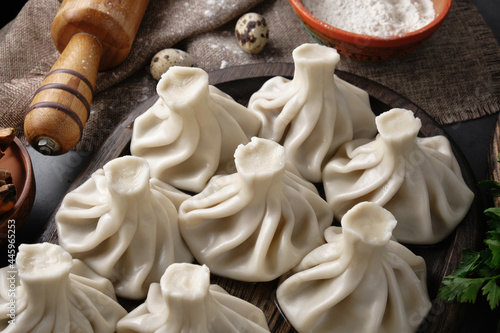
(167, 58)
(252, 32)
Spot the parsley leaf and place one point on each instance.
(468, 263)
(494, 214)
(478, 271)
(493, 240)
(492, 290)
(464, 289)
(492, 187)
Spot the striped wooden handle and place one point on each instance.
(54, 122)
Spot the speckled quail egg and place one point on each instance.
(252, 32)
(167, 58)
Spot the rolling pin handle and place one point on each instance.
(54, 122)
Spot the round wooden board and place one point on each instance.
(493, 157)
(240, 82)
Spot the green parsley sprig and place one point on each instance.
(478, 271)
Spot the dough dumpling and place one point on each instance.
(55, 293)
(258, 223)
(185, 301)
(315, 112)
(123, 225)
(191, 132)
(359, 281)
(416, 179)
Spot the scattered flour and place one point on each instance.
(373, 17)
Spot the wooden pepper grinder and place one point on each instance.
(91, 35)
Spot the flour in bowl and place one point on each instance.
(373, 17)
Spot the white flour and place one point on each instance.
(373, 17)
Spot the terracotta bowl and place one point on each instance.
(369, 48)
(17, 160)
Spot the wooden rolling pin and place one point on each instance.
(91, 35)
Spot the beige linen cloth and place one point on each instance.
(454, 76)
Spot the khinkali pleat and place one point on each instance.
(124, 225)
(315, 112)
(185, 301)
(55, 293)
(359, 281)
(191, 132)
(255, 224)
(416, 179)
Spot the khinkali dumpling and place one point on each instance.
(185, 301)
(315, 112)
(123, 225)
(255, 224)
(55, 293)
(416, 179)
(359, 281)
(191, 132)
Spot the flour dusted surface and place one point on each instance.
(373, 17)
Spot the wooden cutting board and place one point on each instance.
(240, 82)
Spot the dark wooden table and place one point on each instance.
(55, 175)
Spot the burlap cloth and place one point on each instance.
(455, 76)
